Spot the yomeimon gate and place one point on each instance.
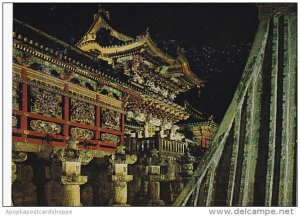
(96, 123)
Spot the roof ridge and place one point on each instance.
(98, 23)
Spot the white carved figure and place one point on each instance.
(140, 117)
(155, 121)
(130, 114)
(162, 133)
(173, 132)
(167, 125)
(178, 136)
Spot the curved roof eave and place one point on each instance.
(110, 50)
(188, 72)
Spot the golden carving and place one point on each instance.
(82, 112)
(46, 102)
(82, 133)
(45, 127)
(111, 119)
(16, 95)
(107, 137)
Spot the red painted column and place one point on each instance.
(66, 112)
(24, 117)
(203, 141)
(97, 134)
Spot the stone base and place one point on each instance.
(71, 195)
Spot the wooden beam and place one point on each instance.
(211, 187)
(251, 140)
(288, 143)
(98, 116)
(234, 158)
(273, 113)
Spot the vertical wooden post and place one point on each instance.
(24, 117)
(203, 141)
(97, 133)
(66, 111)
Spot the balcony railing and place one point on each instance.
(141, 146)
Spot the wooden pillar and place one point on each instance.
(66, 111)
(203, 143)
(24, 102)
(98, 116)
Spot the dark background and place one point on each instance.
(216, 37)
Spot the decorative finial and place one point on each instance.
(147, 31)
(180, 50)
(99, 8)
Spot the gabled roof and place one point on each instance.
(99, 22)
(89, 41)
(129, 45)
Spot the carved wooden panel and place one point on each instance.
(45, 102)
(82, 112)
(110, 119)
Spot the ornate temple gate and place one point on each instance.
(252, 158)
(68, 120)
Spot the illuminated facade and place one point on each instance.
(104, 107)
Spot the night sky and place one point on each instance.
(216, 38)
